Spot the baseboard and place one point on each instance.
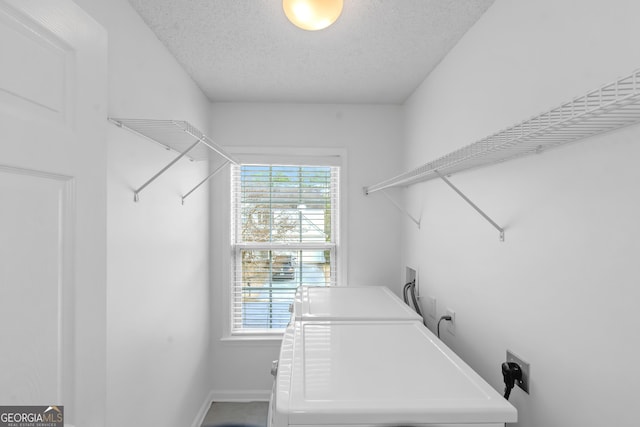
(197, 422)
(241, 395)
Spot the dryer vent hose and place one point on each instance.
(409, 291)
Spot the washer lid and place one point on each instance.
(350, 303)
(379, 372)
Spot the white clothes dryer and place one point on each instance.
(378, 373)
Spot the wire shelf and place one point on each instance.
(609, 107)
(179, 136)
(175, 135)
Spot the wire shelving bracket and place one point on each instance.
(473, 205)
(612, 106)
(179, 136)
(416, 221)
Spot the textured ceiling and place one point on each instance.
(378, 51)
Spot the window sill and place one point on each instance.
(275, 338)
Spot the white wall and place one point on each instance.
(158, 342)
(371, 136)
(562, 290)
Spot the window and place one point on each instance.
(284, 234)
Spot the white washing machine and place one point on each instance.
(349, 303)
(378, 373)
(359, 356)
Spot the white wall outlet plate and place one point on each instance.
(451, 324)
(524, 367)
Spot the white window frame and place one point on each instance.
(283, 156)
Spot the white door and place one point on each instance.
(52, 208)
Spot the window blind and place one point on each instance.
(285, 234)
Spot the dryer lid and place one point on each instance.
(381, 373)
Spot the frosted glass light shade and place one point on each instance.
(312, 14)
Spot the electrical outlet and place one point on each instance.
(451, 324)
(524, 367)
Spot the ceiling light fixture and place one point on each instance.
(312, 15)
